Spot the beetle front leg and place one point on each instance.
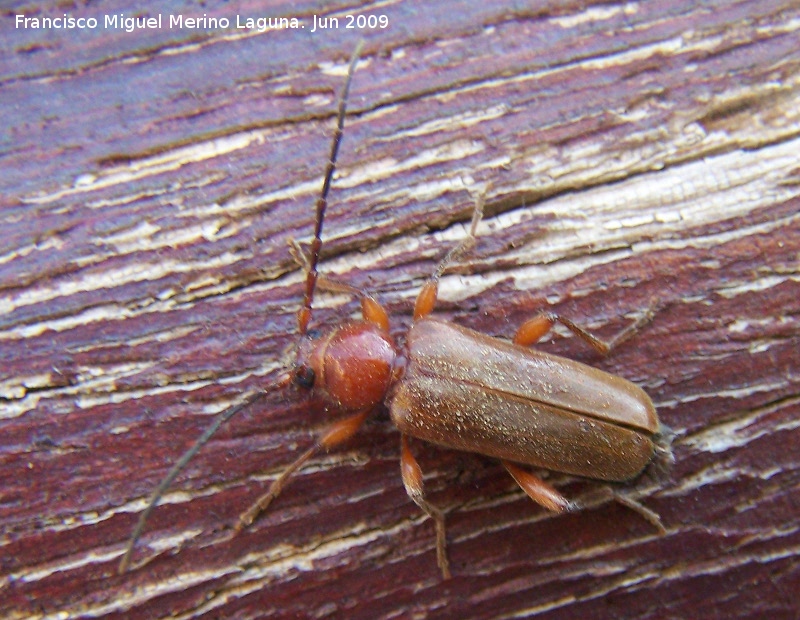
(337, 433)
(531, 331)
(371, 310)
(412, 480)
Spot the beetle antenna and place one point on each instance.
(304, 316)
(226, 415)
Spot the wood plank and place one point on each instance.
(152, 179)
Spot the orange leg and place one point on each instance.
(539, 491)
(426, 299)
(412, 480)
(531, 331)
(371, 310)
(546, 496)
(337, 433)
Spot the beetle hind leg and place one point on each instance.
(412, 480)
(547, 497)
(651, 516)
(539, 491)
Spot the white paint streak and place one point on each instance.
(452, 151)
(454, 123)
(151, 166)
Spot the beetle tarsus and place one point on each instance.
(261, 504)
(649, 515)
(606, 493)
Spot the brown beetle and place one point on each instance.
(518, 405)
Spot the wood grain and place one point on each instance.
(150, 183)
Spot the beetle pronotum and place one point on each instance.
(521, 406)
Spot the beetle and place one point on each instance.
(519, 405)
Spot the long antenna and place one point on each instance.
(304, 315)
(226, 415)
(303, 318)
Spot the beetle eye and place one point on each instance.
(304, 376)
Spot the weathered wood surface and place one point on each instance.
(150, 183)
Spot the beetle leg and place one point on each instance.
(649, 515)
(531, 331)
(644, 511)
(371, 310)
(337, 433)
(545, 495)
(429, 291)
(412, 480)
(538, 490)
